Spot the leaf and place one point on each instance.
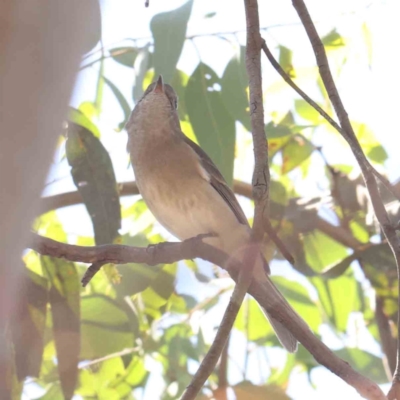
(79, 118)
(295, 152)
(28, 324)
(213, 125)
(333, 39)
(124, 55)
(169, 32)
(307, 112)
(338, 269)
(65, 310)
(252, 322)
(317, 257)
(93, 175)
(369, 143)
(286, 61)
(134, 376)
(234, 85)
(53, 393)
(339, 297)
(278, 136)
(106, 327)
(141, 66)
(122, 102)
(299, 298)
(368, 42)
(247, 391)
(365, 363)
(210, 15)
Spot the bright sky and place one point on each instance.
(370, 94)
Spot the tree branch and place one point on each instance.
(195, 248)
(348, 134)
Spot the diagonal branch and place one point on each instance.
(194, 248)
(348, 133)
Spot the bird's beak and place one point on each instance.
(159, 88)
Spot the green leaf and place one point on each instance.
(28, 324)
(93, 175)
(339, 297)
(234, 84)
(53, 393)
(246, 391)
(333, 39)
(213, 125)
(106, 327)
(141, 66)
(318, 259)
(369, 143)
(134, 376)
(124, 55)
(295, 152)
(286, 61)
(79, 118)
(122, 102)
(298, 296)
(169, 32)
(307, 112)
(365, 363)
(179, 83)
(65, 310)
(252, 322)
(338, 269)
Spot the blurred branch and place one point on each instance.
(263, 292)
(387, 340)
(366, 169)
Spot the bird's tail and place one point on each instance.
(288, 341)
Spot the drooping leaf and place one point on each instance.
(213, 125)
(106, 327)
(124, 55)
(53, 393)
(122, 101)
(65, 310)
(369, 143)
(234, 83)
(296, 151)
(93, 175)
(141, 66)
(169, 31)
(28, 323)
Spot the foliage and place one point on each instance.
(105, 341)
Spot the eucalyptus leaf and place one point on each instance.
(169, 32)
(213, 125)
(93, 175)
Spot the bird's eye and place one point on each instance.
(175, 103)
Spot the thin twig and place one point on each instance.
(348, 134)
(286, 77)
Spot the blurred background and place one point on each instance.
(141, 331)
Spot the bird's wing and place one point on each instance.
(217, 181)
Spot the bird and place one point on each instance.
(184, 189)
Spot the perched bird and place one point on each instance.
(183, 188)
